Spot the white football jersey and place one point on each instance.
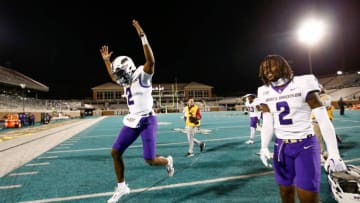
(138, 94)
(291, 113)
(251, 108)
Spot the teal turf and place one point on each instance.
(227, 171)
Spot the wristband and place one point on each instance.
(144, 39)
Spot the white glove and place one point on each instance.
(334, 164)
(265, 157)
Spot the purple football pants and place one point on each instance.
(147, 129)
(298, 164)
(253, 121)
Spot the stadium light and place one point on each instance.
(23, 86)
(310, 33)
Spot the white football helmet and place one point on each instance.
(123, 68)
(345, 186)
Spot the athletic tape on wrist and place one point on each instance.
(144, 40)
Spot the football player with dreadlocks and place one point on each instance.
(141, 120)
(287, 102)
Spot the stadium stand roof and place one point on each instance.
(14, 78)
(108, 86)
(114, 86)
(197, 85)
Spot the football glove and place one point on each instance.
(265, 157)
(334, 164)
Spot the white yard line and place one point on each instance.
(38, 164)
(177, 185)
(48, 157)
(4, 187)
(24, 173)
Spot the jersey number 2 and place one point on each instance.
(129, 96)
(285, 110)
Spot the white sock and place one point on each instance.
(168, 163)
(252, 133)
(122, 184)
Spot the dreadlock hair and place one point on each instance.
(284, 67)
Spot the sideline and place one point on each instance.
(17, 152)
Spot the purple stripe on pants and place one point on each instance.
(147, 129)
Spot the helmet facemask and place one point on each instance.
(123, 68)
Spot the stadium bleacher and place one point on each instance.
(346, 86)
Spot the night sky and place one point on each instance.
(218, 43)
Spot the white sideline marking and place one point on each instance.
(152, 188)
(24, 173)
(38, 164)
(9, 187)
(66, 144)
(48, 157)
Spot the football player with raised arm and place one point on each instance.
(287, 102)
(141, 120)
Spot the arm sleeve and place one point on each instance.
(327, 131)
(267, 129)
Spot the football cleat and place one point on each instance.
(189, 154)
(119, 192)
(202, 146)
(170, 166)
